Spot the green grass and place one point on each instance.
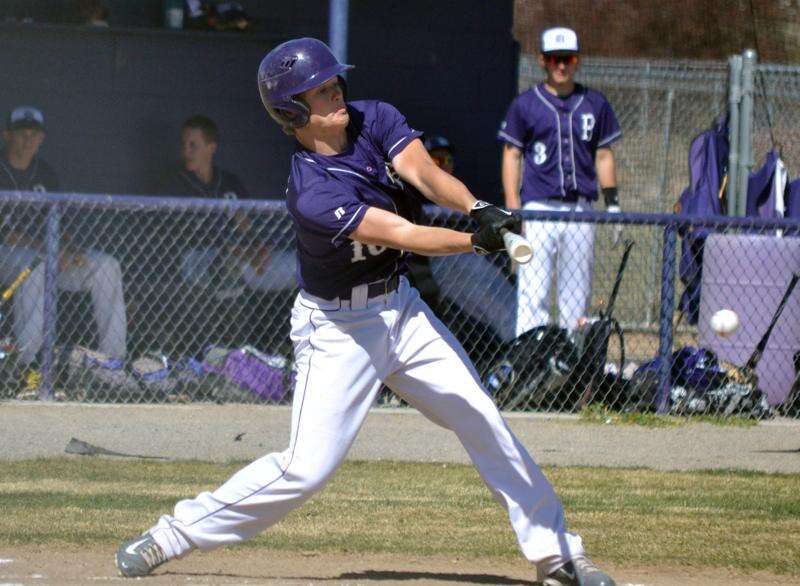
(746, 521)
(601, 414)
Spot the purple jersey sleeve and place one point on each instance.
(330, 213)
(391, 130)
(514, 129)
(608, 129)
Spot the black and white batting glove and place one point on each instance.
(486, 214)
(492, 221)
(487, 240)
(611, 197)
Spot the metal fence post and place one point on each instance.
(51, 245)
(745, 130)
(734, 103)
(338, 13)
(667, 311)
(662, 194)
(644, 112)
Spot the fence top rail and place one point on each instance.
(645, 219)
(648, 219)
(140, 202)
(154, 204)
(778, 68)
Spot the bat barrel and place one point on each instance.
(518, 248)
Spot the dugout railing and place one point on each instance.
(141, 299)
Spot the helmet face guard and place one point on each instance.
(289, 70)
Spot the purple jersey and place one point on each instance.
(327, 197)
(559, 138)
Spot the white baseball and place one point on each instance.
(724, 322)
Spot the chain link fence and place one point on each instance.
(137, 299)
(661, 106)
(142, 299)
(777, 114)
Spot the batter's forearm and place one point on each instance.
(434, 241)
(424, 240)
(383, 228)
(415, 165)
(445, 190)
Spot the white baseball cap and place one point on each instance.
(559, 40)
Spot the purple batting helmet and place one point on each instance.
(290, 69)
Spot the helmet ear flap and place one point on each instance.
(293, 115)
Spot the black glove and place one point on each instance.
(487, 214)
(492, 220)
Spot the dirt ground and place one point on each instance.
(25, 565)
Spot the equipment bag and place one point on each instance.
(252, 374)
(532, 369)
(699, 384)
(93, 376)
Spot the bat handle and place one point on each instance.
(6, 295)
(518, 248)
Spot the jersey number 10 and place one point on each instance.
(372, 250)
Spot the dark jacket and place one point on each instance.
(25, 218)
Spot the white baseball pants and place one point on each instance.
(100, 275)
(566, 248)
(277, 274)
(343, 352)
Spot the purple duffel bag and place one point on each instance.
(267, 377)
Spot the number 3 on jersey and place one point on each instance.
(539, 152)
(372, 250)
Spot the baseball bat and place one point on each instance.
(618, 279)
(518, 247)
(21, 278)
(752, 362)
(595, 348)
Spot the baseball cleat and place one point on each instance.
(139, 556)
(579, 571)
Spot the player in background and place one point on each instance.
(199, 176)
(235, 239)
(562, 132)
(220, 255)
(492, 303)
(357, 324)
(441, 151)
(419, 266)
(80, 268)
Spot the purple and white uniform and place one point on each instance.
(559, 138)
(354, 328)
(328, 196)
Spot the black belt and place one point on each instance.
(569, 198)
(377, 288)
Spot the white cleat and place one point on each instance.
(139, 556)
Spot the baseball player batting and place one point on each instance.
(562, 131)
(357, 324)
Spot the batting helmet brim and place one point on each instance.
(323, 76)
